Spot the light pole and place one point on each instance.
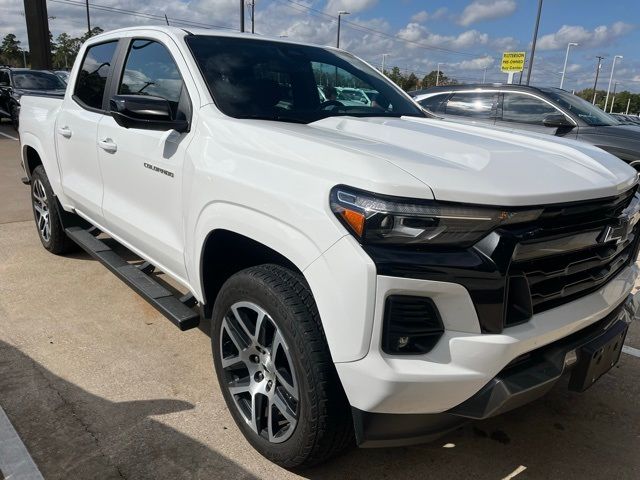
(438, 75)
(613, 98)
(613, 67)
(566, 58)
(340, 13)
(384, 56)
(595, 84)
(533, 43)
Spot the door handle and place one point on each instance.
(65, 132)
(108, 145)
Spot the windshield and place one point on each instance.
(587, 112)
(293, 83)
(37, 81)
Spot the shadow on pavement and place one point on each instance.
(59, 423)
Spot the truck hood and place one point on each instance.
(474, 164)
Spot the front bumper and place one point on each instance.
(464, 360)
(523, 380)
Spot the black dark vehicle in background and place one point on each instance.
(545, 110)
(14, 82)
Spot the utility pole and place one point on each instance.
(384, 56)
(613, 67)
(533, 43)
(340, 13)
(24, 58)
(88, 20)
(566, 57)
(595, 84)
(35, 12)
(628, 105)
(252, 4)
(242, 15)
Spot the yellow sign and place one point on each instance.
(512, 62)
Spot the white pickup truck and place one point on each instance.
(373, 275)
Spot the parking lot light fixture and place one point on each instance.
(340, 13)
(613, 67)
(566, 57)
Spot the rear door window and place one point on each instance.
(93, 74)
(472, 104)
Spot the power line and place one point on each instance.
(357, 26)
(134, 13)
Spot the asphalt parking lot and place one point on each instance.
(99, 385)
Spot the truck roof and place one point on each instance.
(179, 32)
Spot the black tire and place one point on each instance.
(56, 240)
(324, 426)
(15, 119)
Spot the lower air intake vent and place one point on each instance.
(412, 325)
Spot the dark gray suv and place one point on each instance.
(546, 110)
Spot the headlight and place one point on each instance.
(390, 220)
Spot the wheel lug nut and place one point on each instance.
(269, 385)
(258, 377)
(254, 358)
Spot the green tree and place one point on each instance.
(66, 49)
(10, 51)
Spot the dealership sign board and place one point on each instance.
(512, 62)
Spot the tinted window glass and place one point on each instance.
(38, 81)
(580, 107)
(150, 70)
(520, 108)
(471, 104)
(4, 77)
(293, 83)
(434, 104)
(93, 74)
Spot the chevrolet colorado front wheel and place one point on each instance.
(275, 370)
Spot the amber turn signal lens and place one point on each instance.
(355, 220)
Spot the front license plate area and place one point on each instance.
(598, 357)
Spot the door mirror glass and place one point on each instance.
(145, 112)
(557, 120)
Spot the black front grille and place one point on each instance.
(558, 279)
(567, 257)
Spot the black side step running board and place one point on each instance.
(158, 296)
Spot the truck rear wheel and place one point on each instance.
(275, 370)
(46, 214)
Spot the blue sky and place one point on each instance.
(465, 36)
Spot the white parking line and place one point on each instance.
(516, 472)
(631, 351)
(15, 461)
(8, 136)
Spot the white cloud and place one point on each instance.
(420, 17)
(475, 63)
(415, 32)
(598, 37)
(351, 6)
(480, 10)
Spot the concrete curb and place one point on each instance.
(15, 461)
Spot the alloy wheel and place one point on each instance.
(41, 208)
(258, 371)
